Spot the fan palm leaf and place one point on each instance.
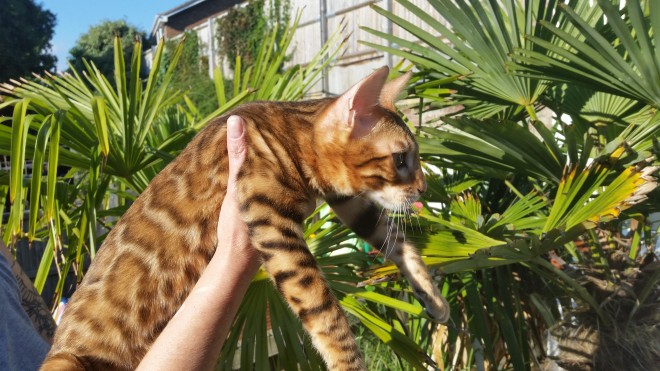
(627, 63)
(491, 148)
(475, 42)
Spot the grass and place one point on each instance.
(377, 356)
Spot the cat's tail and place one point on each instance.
(63, 362)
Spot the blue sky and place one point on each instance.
(74, 17)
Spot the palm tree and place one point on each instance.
(524, 219)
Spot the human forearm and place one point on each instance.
(193, 338)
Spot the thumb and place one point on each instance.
(236, 147)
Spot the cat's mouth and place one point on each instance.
(393, 199)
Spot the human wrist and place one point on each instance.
(235, 263)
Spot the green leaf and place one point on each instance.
(44, 266)
(581, 198)
(480, 38)
(492, 148)
(219, 86)
(37, 169)
(20, 126)
(53, 161)
(523, 214)
(17, 192)
(98, 106)
(391, 302)
(627, 65)
(397, 341)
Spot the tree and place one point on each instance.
(97, 45)
(241, 31)
(26, 29)
(192, 72)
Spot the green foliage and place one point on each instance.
(514, 195)
(481, 36)
(378, 356)
(97, 46)
(594, 58)
(242, 30)
(26, 29)
(192, 73)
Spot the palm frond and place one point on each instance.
(491, 148)
(472, 40)
(626, 63)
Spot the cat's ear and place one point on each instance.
(357, 109)
(392, 89)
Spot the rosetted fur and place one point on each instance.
(354, 151)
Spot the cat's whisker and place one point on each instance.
(382, 210)
(394, 231)
(388, 231)
(359, 195)
(396, 237)
(385, 241)
(419, 225)
(409, 213)
(416, 218)
(405, 225)
(404, 215)
(399, 225)
(413, 212)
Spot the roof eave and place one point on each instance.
(163, 17)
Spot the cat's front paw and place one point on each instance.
(435, 305)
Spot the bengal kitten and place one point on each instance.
(354, 151)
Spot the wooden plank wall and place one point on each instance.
(358, 60)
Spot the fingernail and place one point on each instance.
(234, 127)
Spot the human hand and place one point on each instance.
(233, 238)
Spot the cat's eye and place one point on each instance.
(399, 160)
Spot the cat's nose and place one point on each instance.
(421, 187)
(420, 181)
